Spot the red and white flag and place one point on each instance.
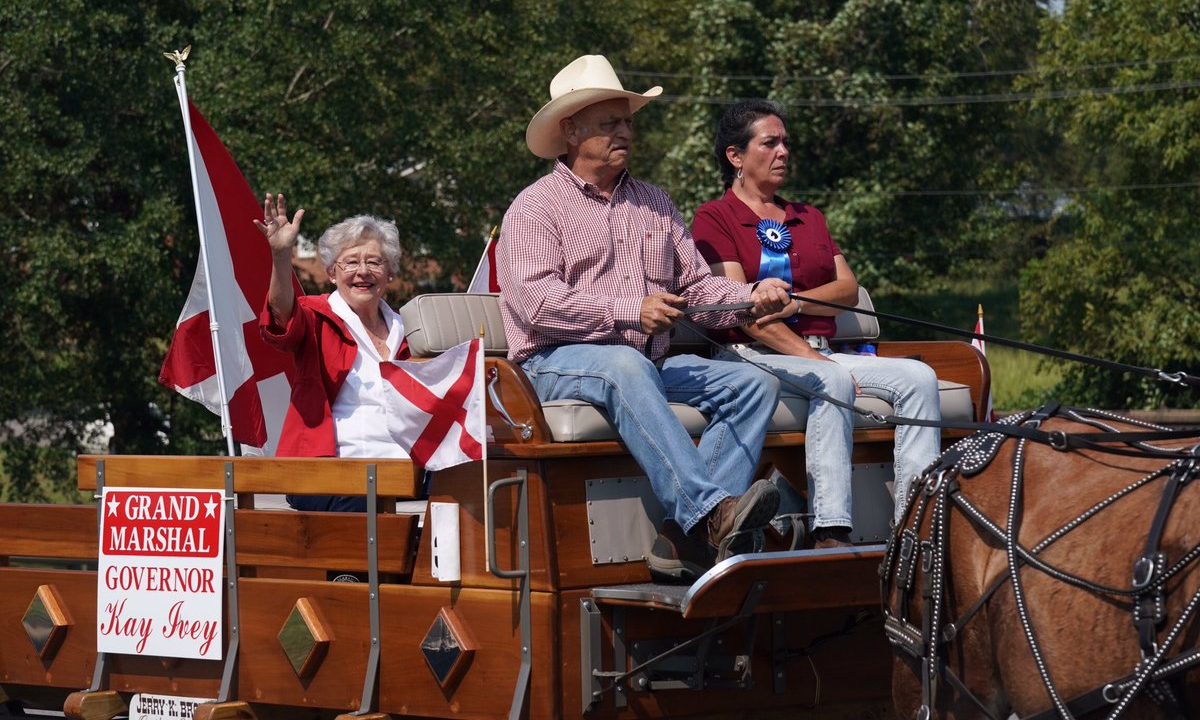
(436, 408)
(485, 280)
(256, 376)
(982, 346)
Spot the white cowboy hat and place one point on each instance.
(587, 80)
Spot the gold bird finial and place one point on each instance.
(179, 56)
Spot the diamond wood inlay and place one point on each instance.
(448, 647)
(46, 621)
(305, 637)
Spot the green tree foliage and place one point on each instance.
(86, 229)
(1125, 284)
(882, 142)
(410, 110)
(852, 77)
(416, 110)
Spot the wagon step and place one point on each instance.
(833, 577)
(734, 593)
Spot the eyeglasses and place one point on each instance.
(371, 265)
(610, 126)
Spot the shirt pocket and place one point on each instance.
(658, 258)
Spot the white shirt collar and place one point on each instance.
(359, 332)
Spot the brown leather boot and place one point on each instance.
(831, 537)
(732, 523)
(677, 557)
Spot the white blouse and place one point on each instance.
(360, 419)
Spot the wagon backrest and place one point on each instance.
(437, 322)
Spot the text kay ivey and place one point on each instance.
(116, 624)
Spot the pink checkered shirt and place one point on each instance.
(574, 266)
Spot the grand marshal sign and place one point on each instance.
(159, 581)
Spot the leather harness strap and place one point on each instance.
(1095, 441)
(940, 486)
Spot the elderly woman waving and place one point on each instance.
(337, 342)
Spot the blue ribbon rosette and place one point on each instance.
(774, 261)
(773, 236)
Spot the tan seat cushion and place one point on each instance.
(577, 421)
(436, 322)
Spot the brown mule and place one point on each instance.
(1085, 638)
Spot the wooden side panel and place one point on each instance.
(316, 476)
(407, 687)
(485, 688)
(463, 484)
(71, 667)
(952, 360)
(567, 479)
(66, 532)
(334, 541)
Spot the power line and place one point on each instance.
(1077, 190)
(842, 75)
(935, 100)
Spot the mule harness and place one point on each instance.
(939, 487)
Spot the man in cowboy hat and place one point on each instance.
(595, 268)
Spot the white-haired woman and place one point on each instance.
(337, 342)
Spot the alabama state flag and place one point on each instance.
(256, 376)
(436, 409)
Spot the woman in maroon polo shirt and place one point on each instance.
(751, 234)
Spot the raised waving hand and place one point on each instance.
(280, 233)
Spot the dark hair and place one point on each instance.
(734, 129)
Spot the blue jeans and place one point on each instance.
(688, 480)
(909, 386)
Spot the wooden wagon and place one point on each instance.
(554, 615)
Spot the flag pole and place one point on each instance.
(178, 57)
(487, 554)
(979, 326)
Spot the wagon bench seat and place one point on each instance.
(436, 322)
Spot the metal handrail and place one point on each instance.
(525, 430)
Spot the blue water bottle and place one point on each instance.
(866, 349)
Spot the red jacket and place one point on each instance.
(323, 351)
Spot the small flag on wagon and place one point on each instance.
(435, 409)
(485, 280)
(981, 345)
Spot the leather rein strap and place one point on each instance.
(1176, 378)
(1096, 441)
